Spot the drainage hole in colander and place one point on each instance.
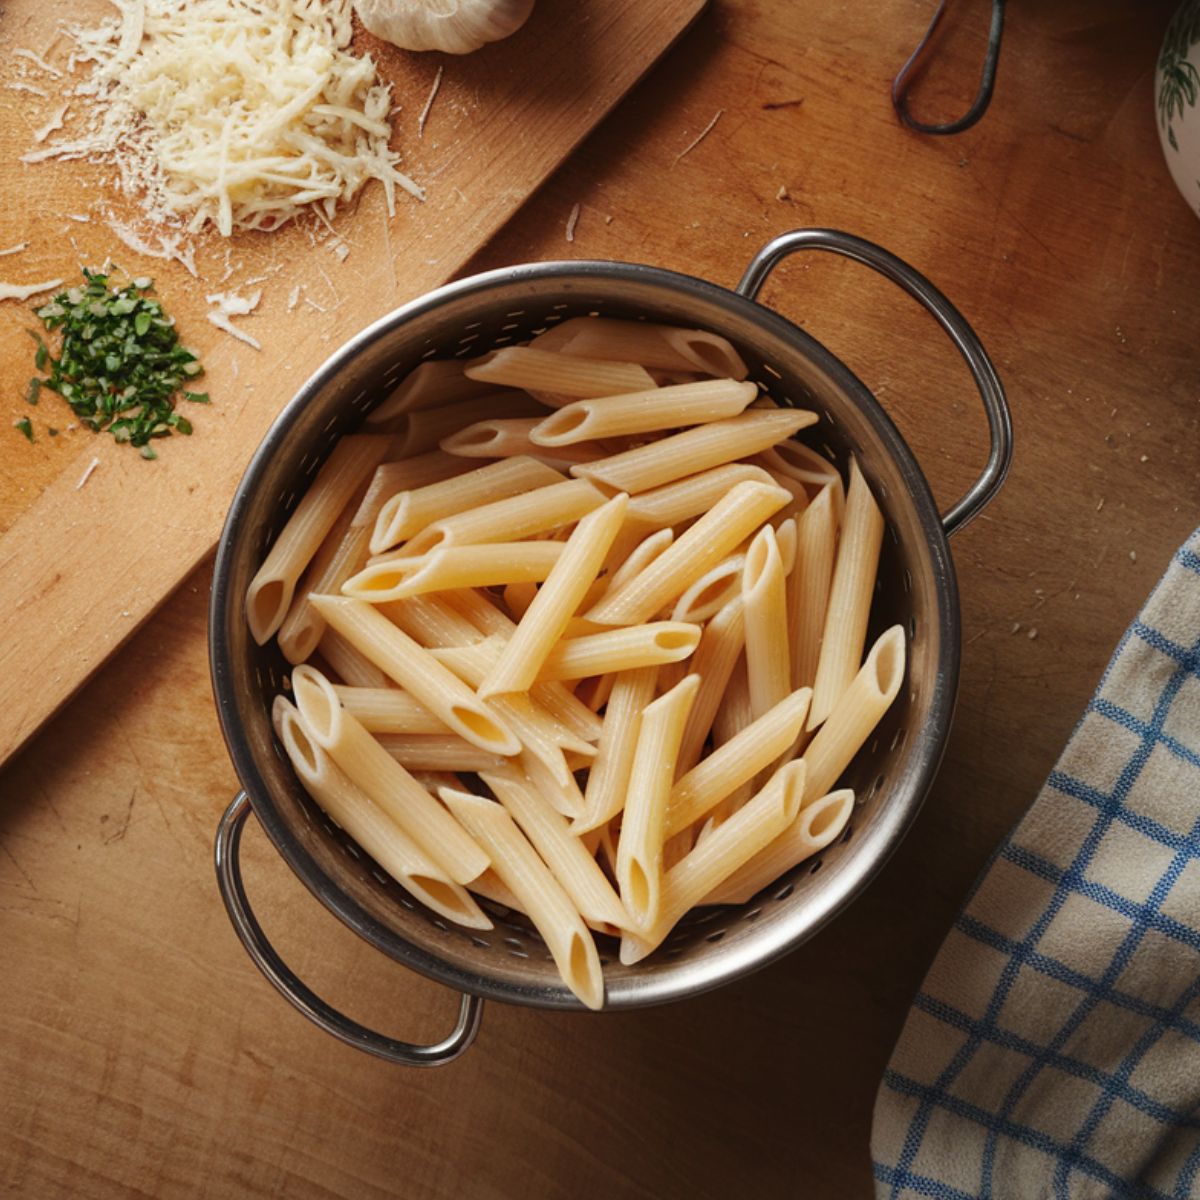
(716, 937)
(906, 576)
(440, 924)
(816, 866)
(518, 954)
(847, 835)
(783, 893)
(912, 628)
(770, 370)
(406, 902)
(352, 850)
(483, 943)
(899, 738)
(673, 951)
(604, 962)
(502, 341)
(380, 876)
(753, 914)
(516, 943)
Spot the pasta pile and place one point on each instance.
(638, 626)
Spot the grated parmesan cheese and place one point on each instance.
(23, 291)
(235, 113)
(230, 304)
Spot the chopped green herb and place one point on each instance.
(25, 427)
(120, 365)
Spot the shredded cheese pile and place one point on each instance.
(238, 113)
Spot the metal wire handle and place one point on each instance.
(285, 981)
(991, 391)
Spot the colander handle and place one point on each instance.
(991, 390)
(229, 879)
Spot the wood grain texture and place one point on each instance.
(143, 1055)
(502, 121)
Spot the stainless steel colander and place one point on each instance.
(916, 588)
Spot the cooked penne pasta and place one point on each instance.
(816, 542)
(620, 650)
(408, 512)
(857, 712)
(608, 780)
(538, 893)
(714, 535)
(511, 520)
(345, 470)
(643, 823)
(785, 536)
(418, 672)
(850, 595)
(817, 825)
(716, 857)
(428, 385)
(437, 752)
(736, 762)
(384, 780)
(565, 854)
(402, 476)
(716, 657)
(347, 664)
(542, 371)
(419, 432)
(644, 412)
(674, 503)
(430, 620)
(401, 857)
(556, 601)
(513, 438)
(453, 567)
(716, 588)
(764, 594)
(734, 712)
(695, 450)
(803, 463)
(387, 710)
(660, 347)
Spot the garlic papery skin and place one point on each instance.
(454, 26)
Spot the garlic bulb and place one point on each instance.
(455, 26)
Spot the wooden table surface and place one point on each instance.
(140, 1052)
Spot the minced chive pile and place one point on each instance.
(120, 365)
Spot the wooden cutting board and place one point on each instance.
(83, 564)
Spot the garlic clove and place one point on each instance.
(454, 26)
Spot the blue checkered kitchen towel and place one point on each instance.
(1054, 1047)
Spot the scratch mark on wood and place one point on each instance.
(118, 834)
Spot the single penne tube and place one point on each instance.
(384, 780)
(351, 667)
(479, 611)
(608, 779)
(643, 823)
(542, 625)
(341, 553)
(408, 512)
(490, 886)
(397, 853)
(543, 371)
(674, 503)
(669, 407)
(624, 649)
(716, 588)
(455, 567)
(594, 692)
(694, 450)
(538, 893)
(764, 593)
(734, 517)
(428, 385)
(518, 596)
(511, 520)
(565, 854)
(785, 536)
(850, 594)
(716, 657)
(403, 476)
(437, 752)
(818, 825)
(419, 432)
(798, 491)
(816, 543)
(346, 469)
(734, 712)
(718, 855)
(563, 795)
(736, 762)
(640, 557)
(857, 712)
(430, 620)
(578, 627)
(407, 662)
(660, 347)
(802, 463)
(512, 437)
(387, 710)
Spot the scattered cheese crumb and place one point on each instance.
(293, 297)
(38, 60)
(572, 221)
(1016, 627)
(608, 220)
(702, 135)
(27, 87)
(19, 291)
(55, 122)
(87, 473)
(1032, 634)
(433, 91)
(170, 245)
(15, 249)
(82, 218)
(342, 251)
(1133, 556)
(1144, 458)
(1100, 504)
(783, 193)
(230, 304)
